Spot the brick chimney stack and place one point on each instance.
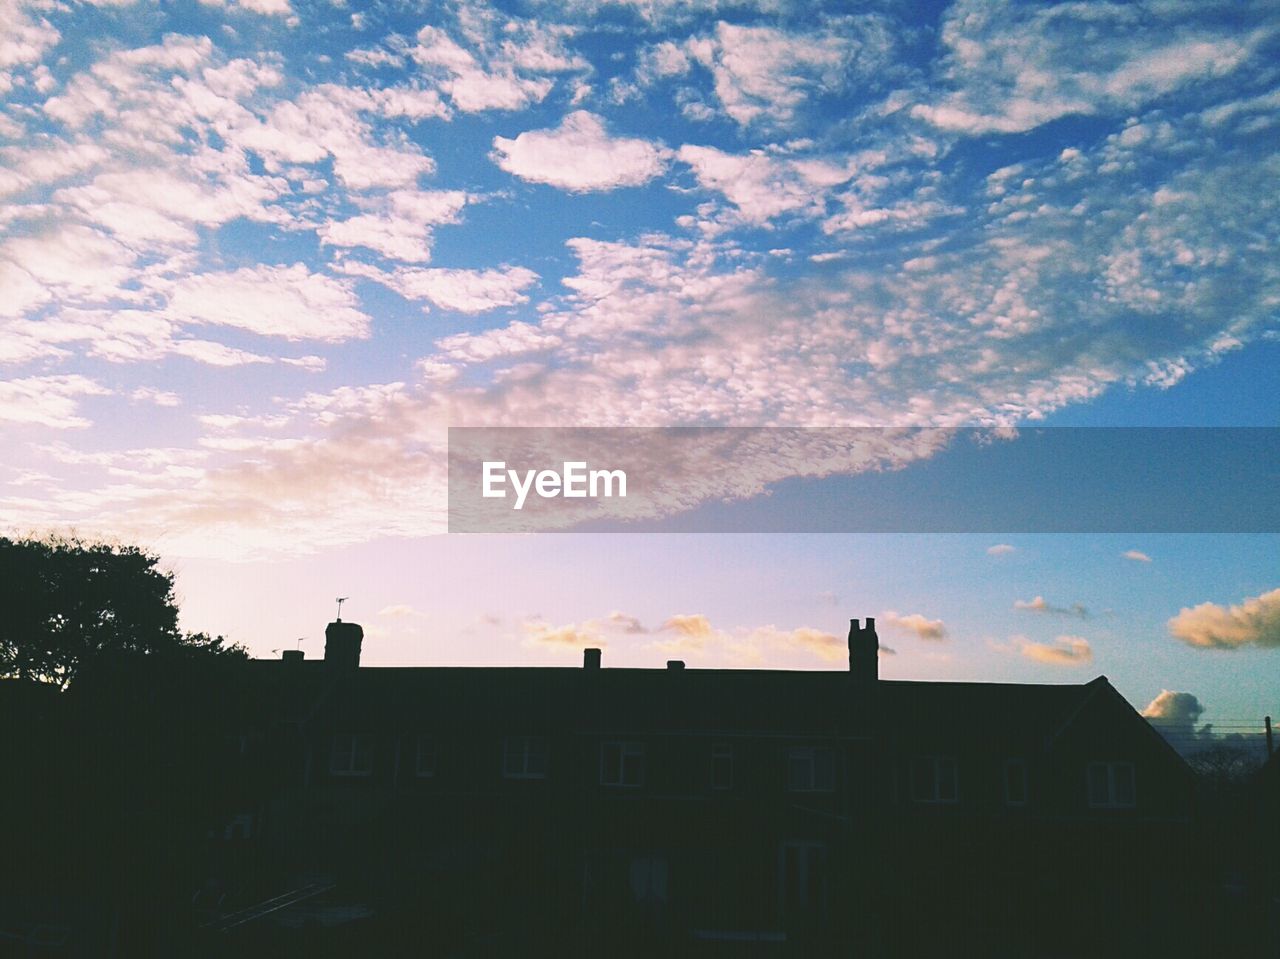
(342, 644)
(864, 650)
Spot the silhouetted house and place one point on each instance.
(610, 810)
(1266, 824)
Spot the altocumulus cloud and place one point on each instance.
(916, 624)
(579, 156)
(1254, 622)
(1063, 651)
(161, 187)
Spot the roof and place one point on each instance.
(1020, 716)
(741, 701)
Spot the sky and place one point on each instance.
(257, 256)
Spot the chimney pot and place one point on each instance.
(591, 658)
(675, 664)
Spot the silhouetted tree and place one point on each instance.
(1225, 764)
(66, 604)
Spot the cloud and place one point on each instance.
(398, 225)
(1013, 67)
(764, 74)
(694, 629)
(1174, 710)
(492, 64)
(399, 611)
(625, 622)
(757, 645)
(1063, 651)
(24, 38)
(264, 7)
(1091, 264)
(463, 291)
(538, 632)
(1136, 555)
(580, 156)
(591, 632)
(915, 624)
(1039, 605)
(762, 187)
(1254, 622)
(62, 260)
(327, 122)
(148, 394)
(1001, 549)
(826, 645)
(49, 401)
(285, 301)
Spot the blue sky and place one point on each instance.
(258, 255)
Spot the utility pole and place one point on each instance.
(1267, 722)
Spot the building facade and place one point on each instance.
(653, 811)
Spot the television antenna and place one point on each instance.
(341, 600)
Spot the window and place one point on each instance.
(524, 757)
(622, 764)
(721, 766)
(1112, 786)
(934, 780)
(811, 769)
(424, 760)
(351, 755)
(802, 880)
(1015, 783)
(240, 827)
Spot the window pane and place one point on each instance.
(1099, 790)
(1015, 782)
(426, 758)
(1123, 788)
(536, 756)
(611, 763)
(632, 765)
(824, 769)
(340, 759)
(363, 754)
(800, 769)
(512, 757)
(922, 782)
(945, 771)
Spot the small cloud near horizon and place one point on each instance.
(1063, 651)
(1040, 605)
(915, 624)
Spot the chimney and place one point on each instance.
(675, 664)
(342, 644)
(864, 650)
(591, 658)
(292, 657)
